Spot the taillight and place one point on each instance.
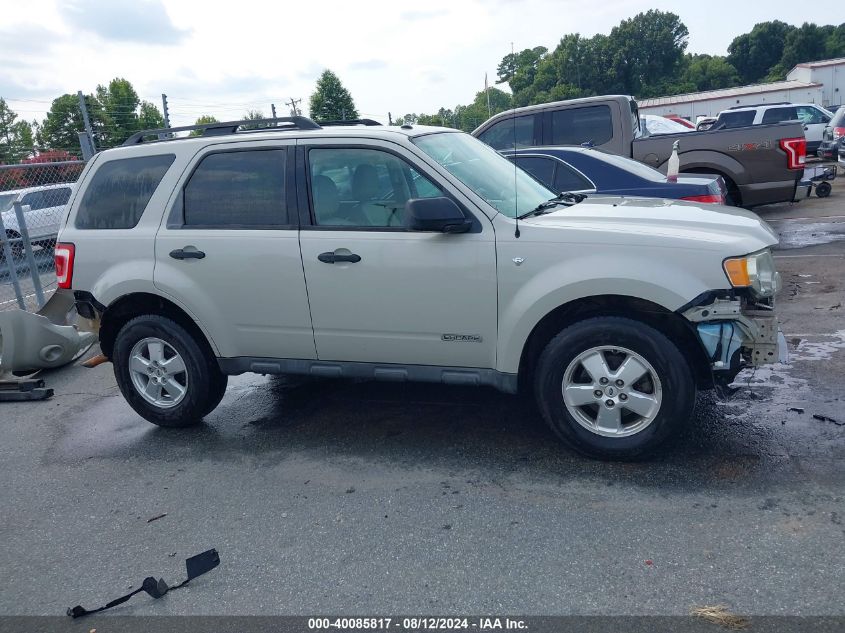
(796, 151)
(713, 198)
(63, 255)
(838, 133)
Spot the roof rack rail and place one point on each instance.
(760, 105)
(218, 128)
(349, 122)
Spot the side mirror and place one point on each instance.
(441, 215)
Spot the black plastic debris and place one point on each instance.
(825, 418)
(195, 565)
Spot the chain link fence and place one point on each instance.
(33, 200)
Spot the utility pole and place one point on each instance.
(389, 119)
(86, 121)
(292, 103)
(273, 109)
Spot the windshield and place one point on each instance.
(489, 174)
(6, 201)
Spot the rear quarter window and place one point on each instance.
(574, 126)
(120, 190)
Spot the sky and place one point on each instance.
(398, 57)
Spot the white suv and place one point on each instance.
(812, 116)
(44, 217)
(409, 253)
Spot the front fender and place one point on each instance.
(526, 299)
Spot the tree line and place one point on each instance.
(644, 56)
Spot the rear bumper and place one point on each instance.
(754, 194)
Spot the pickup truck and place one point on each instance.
(762, 164)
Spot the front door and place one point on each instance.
(378, 292)
(228, 251)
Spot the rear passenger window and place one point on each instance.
(567, 179)
(737, 119)
(510, 133)
(776, 115)
(574, 126)
(238, 189)
(119, 192)
(56, 197)
(543, 169)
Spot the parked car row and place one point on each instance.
(760, 164)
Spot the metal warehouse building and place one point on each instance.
(821, 82)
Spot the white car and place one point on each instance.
(653, 124)
(812, 116)
(44, 217)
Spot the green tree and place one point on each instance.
(754, 54)
(331, 101)
(125, 112)
(519, 69)
(16, 141)
(205, 118)
(706, 72)
(63, 123)
(647, 52)
(253, 115)
(150, 117)
(808, 43)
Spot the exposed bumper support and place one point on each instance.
(734, 337)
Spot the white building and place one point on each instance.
(821, 82)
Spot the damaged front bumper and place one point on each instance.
(736, 333)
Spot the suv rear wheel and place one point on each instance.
(164, 373)
(614, 388)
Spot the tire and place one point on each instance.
(823, 189)
(156, 356)
(664, 395)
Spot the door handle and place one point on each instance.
(331, 258)
(183, 254)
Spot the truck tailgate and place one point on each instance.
(751, 157)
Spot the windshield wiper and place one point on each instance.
(565, 197)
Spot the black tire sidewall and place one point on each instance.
(202, 384)
(678, 387)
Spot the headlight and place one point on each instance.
(755, 271)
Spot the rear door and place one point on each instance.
(228, 251)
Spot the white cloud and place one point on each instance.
(393, 57)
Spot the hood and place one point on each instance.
(676, 223)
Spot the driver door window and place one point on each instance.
(364, 188)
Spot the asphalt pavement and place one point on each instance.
(367, 498)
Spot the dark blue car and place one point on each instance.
(589, 170)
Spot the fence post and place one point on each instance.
(10, 264)
(86, 120)
(30, 256)
(85, 144)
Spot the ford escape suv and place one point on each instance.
(408, 253)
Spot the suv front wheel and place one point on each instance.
(164, 373)
(612, 387)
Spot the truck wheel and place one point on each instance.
(614, 388)
(165, 374)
